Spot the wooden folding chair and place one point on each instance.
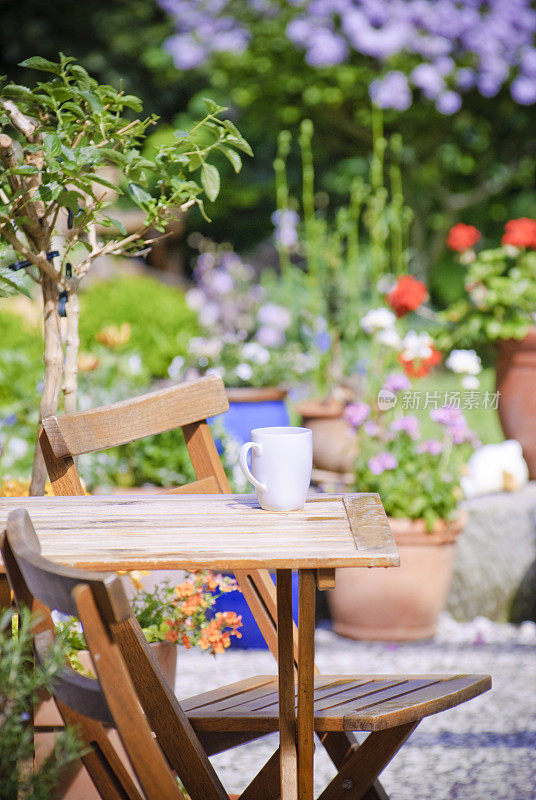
(389, 706)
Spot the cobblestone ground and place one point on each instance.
(482, 750)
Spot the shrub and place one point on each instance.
(160, 321)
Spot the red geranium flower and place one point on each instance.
(420, 367)
(461, 237)
(520, 232)
(406, 295)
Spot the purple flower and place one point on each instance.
(448, 416)
(186, 52)
(323, 341)
(432, 446)
(396, 382)
(428, 78)
(465, 78)
(448, 103)
(381, 462)
(10, 420)
(392, 91)
(356, 413)
(406, 424)
(327, 48)
(371, 428)
(523, 90)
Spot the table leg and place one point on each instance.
(306, 687)
(287, 712)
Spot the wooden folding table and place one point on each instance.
(229, 533)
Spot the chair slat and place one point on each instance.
(127, 420)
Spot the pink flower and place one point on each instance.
(381, 462)
(356, 413)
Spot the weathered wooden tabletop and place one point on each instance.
(225, 532)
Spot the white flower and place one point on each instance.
(274, 316)
(256, 353)
(210, 348)
(390, 338)
(209, 314)
(195, 299)
(470, 382)
(16, 447)
(377, 319)
(219, 371)
(464, 361)
(416, 345)
(134, 365)
(271, 337)
(175, 368)
(244, 371)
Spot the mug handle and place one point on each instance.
(244, 450)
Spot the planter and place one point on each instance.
(253, 408)
(252, 638)
(76, 783)
(516, 382)
(334, 441)
(399, 604)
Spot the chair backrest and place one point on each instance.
(185, 405)
(130, 693)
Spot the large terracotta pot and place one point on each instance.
(76, 783)
(398, 604)
(516, 382)
(334, 441)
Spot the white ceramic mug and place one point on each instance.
(281, 463)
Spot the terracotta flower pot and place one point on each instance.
(516, 382)
(76, 783)
(334, 441)
(399, 604)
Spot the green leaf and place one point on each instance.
(132, 101)
(41, 64)
(81, 76)
(233, 157)
(24, 169)
(93, 101)
(118, 224)
(210, 181)
(139, 195)
(52, 145)
(70, 200)
(12, 283)
(17, 92)
(212, 107)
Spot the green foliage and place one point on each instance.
(82, 127)
(21, 684)
(500, 299)
(161, 323)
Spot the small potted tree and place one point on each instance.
(56, 142)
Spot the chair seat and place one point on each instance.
(342, 702)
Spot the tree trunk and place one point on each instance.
(72, 343)
(53, 372)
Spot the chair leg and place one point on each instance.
(360, 770)
(266, 785)
(339, 747)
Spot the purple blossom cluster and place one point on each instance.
(406, 424)
(381, 462)
(356, 414)
(455, 45)
(455, 424)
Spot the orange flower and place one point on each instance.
(184, 590)
(114, 336)
(185, 641)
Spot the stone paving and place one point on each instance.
(482, 750)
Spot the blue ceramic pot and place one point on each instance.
(252, 638)
(253, 408)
